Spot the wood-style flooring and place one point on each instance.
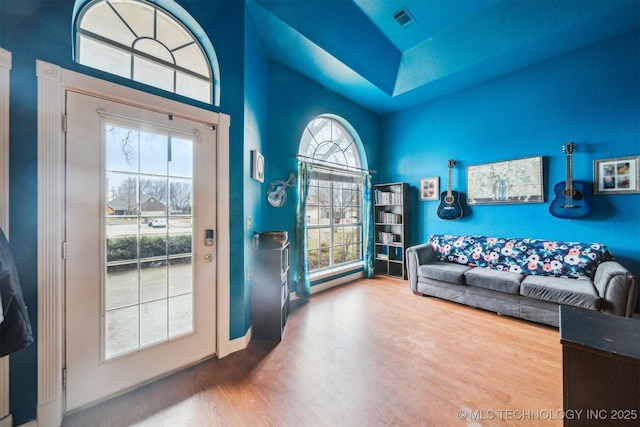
(368, 353)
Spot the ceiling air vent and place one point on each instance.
(403, 17)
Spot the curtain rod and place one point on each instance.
(167, 128)
(332, 165)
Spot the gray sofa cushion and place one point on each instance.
(574, 292)
(445, 271)
(501, 281)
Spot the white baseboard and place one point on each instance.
(226, 346)
(6, 421)
(238, 343)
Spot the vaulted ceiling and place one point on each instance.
(359, 49)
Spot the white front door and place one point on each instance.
(140, 267)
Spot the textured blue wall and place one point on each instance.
(590, 96)
(294, 101)
(255, 130)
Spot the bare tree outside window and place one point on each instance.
(156, 188)
(180, 197)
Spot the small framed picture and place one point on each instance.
(429, 188)
(616, 176)
(257, 169)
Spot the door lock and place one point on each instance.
(208, 237)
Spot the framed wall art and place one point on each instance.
(429, 188)
(616, 176)
(510, 181)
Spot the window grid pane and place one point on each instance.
(166, 55)
(103, 57)
(153, 74)
(334, 231)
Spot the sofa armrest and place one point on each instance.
(416, 256)
(617, 287)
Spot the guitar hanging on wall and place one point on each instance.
(569, 202)
(450, 207)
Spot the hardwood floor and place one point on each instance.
(369, 353)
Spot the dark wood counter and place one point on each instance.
(600, 368)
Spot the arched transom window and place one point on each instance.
(138, 40)
(334, 200)
(327, 141)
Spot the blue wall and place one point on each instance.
(590, 96)
(255, 130)
(294, 101)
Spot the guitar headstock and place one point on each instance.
(452, 163)
(569, 148)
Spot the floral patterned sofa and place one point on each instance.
(526, 278)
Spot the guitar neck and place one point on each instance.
(569, 180)
(449, 184)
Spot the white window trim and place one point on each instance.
(52, 83)
(333, 271)
(332, 283)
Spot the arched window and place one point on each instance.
(333, 206)
(328, 142)
(141, 41)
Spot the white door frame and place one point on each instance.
(5, 68)
(53, 81)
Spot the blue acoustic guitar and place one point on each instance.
(450, 207)
(570, 202)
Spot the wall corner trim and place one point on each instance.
(236, 345)
(44, 70)
(5, 59)
(5, 68)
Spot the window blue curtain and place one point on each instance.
(367, 225)
(303, 284)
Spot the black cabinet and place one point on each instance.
(391, 228)
(600, 368)
(270, 297)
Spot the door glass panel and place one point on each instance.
(122, 329)
(154, 153)
(153, 322)
(153, 279)
(148, 284)
(180, 315)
